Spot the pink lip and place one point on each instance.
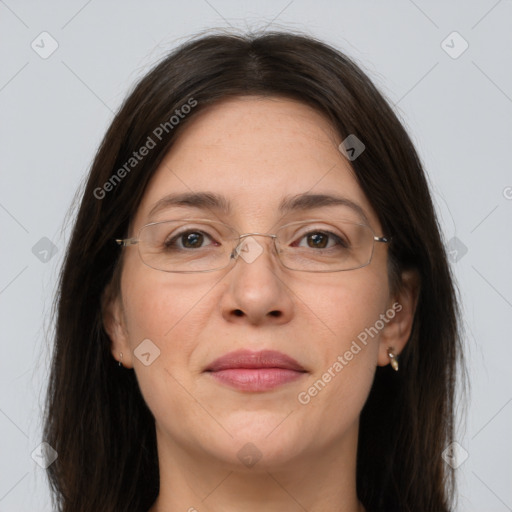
(255, 371)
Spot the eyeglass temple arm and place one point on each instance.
(126, 241)
(383, 239)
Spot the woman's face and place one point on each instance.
(254, 153)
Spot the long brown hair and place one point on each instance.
(96, 418)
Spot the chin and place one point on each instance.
(270, 437)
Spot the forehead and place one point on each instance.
(256, 152)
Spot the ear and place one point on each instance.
(115, 326)
(400, 315)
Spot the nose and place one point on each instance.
(256, 292)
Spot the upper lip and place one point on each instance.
(248, 359)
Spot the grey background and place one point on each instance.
(54, 112)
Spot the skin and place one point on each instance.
(256, 151)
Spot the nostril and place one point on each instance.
(275, 313)
(238, 312)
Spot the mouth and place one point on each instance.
(255, 371)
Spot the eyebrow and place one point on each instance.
(199, 200)
(219, 203)
(304, 202)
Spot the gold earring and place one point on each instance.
(393, 360)
(121, 360)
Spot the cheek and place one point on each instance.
(350, 308)
(169, 310)
(347, 305)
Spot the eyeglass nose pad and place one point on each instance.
(235, 253)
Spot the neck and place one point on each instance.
(316, 482)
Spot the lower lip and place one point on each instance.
(256, 379)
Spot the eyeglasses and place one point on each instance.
(200, 245)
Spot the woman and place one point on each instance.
(255, 309)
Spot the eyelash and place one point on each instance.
(338, 240)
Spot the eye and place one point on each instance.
(192, 239)
(321, 240)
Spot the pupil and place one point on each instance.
(317, 240)
(192, 240)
